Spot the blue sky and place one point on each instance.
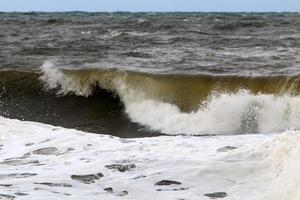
(150, 5)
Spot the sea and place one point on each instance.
(163, 105)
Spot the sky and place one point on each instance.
(151, 5)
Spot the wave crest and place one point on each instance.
(157, 103)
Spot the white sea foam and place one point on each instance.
(285, 161)
(55, 78)
(196, 162)
(246, 167)
(222, 113)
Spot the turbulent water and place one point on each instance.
(145, 74)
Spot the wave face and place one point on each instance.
(23, 96)
(198, 105)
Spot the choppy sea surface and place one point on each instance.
(202, 99)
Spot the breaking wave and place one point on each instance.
(197, 105)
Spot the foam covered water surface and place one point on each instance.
(39, 160)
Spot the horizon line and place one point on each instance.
(126, 11)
